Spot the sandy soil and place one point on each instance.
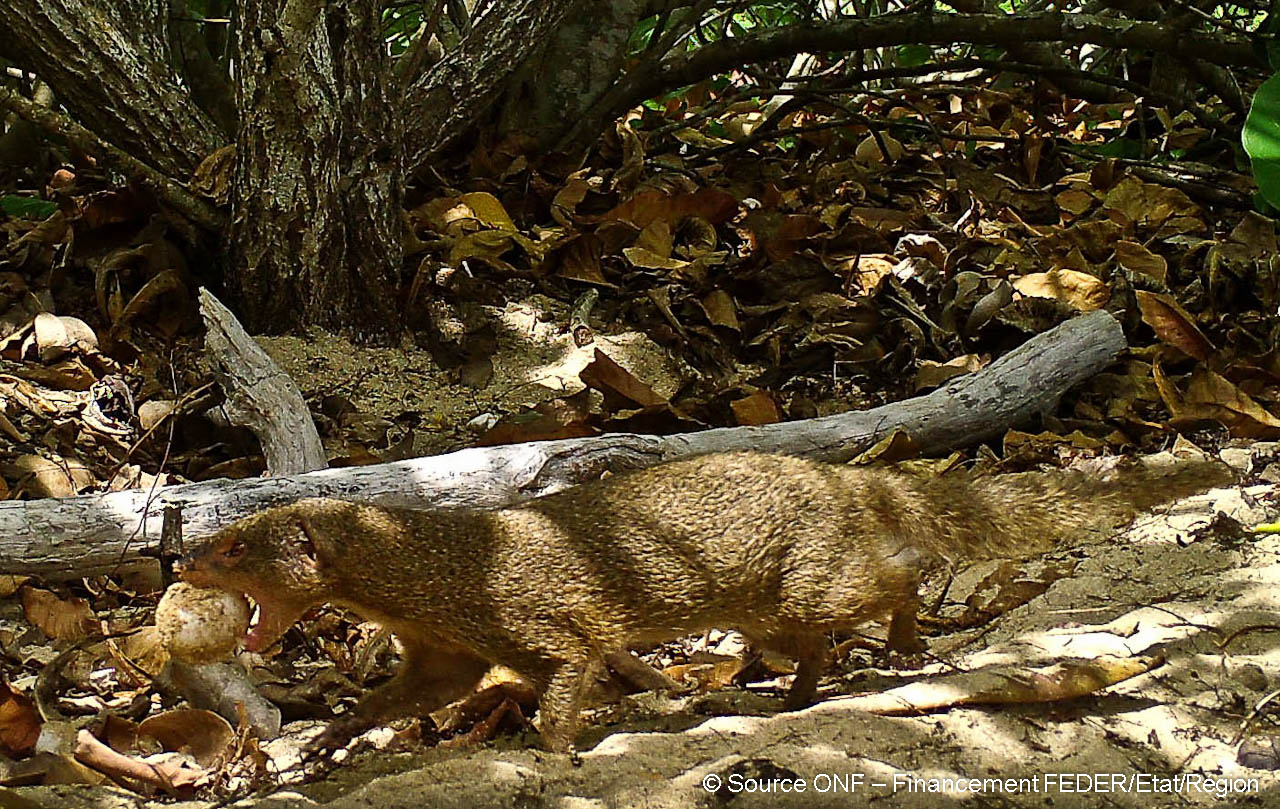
(1171, 737)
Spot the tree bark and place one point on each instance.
(455, 95)
(550, 89)
(318, 179)
(109, 65)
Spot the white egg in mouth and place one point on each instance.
(200, 625)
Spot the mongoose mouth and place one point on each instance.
(271, 614)
(268, 623)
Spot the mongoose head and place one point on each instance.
(275, 557)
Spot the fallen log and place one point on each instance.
(77, 536)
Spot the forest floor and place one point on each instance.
(1207, 603)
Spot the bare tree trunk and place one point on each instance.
(550, 91)
(454, 96)
(318, 180)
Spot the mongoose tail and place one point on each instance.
(1011, 516)
(958, 518)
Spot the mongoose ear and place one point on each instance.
(314, 543)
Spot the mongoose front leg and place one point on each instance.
(429, 677)
(561, 703)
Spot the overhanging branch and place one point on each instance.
(656, 76)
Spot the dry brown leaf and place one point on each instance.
(19, 722)
(896, 446)
(60, 619)
(486, 208)
(139, 652)
(870, 268)
(1074, 201)
(1082, 291)
(1173, 324)
(155, 297)
(931, 374)
(720, 309)
(484, 245)
(705, 677)
(204, 735)
(780, 235)
(610, 378)
(55, 336)
(579, 260)
(1211, 396)
(568, 198)
(756, 409)
(1153, 206)
(881, 220)
(548, 421)
(1137, 258)
(712, 204)
(868, 150)
(52, 477)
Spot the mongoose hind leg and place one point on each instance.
(429, 678)
(903, 648)
(904, 635)
(811, 651)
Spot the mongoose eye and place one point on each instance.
(235, 550)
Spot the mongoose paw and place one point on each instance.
(903, 660)
(335, 737)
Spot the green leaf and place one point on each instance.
(27, 207)
(914, 55)
(1261, 139)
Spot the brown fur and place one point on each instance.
(784, 550)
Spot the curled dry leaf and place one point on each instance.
(19, 722)
(869, 151)
(155, 411)
(1212, 396)
(56, 336)
(52, 477)
(1079, 290)
(204, 735)
(59, 618)
(1173, 325)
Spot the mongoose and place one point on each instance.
(782, 549)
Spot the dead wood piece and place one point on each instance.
(638, 674)
(223, 689)
(260, 395)
(77, 536)
(170, 776)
